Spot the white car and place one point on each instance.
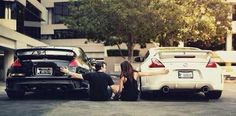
(189, 69)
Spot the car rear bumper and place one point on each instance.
(44, 84)
(194, 86)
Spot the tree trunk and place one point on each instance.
(130, 46)
(121, 54)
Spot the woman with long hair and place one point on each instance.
(128, 86)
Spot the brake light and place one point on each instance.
(156, 63)
(16, 63)
(211, 64)
(73, 63)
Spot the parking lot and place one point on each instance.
(177, 104)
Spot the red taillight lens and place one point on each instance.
(73, 63)
(16, 63)
(211, 64)
(156, 63)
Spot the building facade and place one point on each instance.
(20, 23)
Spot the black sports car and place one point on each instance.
(38, 69)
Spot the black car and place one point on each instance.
(38, 69)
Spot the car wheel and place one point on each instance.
(213, 94)
(15, 95)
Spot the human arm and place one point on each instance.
(161, 72)
(121, 84)
(72, 74)
(112, 85)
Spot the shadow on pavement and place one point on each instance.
(177, 97)
(49, 96)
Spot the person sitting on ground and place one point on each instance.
(128, 86)
(101, 84)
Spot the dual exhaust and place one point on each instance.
(166, 89)
(205, 89)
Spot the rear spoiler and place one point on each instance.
(184, 52)
(35, 49)
(41, 54)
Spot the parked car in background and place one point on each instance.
(38, 69)
(190, 69)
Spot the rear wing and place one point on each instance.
(35, 53)
(206, 54)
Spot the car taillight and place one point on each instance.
(211, 64)
(16, 63)
(156, 63)
(73, 63)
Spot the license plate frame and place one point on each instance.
(44, 71)
(185, 74)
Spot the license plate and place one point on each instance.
(185, 74)
(43, 71)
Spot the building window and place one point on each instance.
(67, 34)
(32, 13)
(33, 32)
(60, 9)
(2, 9)
(20, 12)
(14, 10)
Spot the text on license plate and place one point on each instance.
(44, 71)
(185, 74)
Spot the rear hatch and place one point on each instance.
(185, 59)
(42, 62)
(187, 64)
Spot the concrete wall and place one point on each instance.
(38, 5)
(113, 64)
(8, 23)
(14, 40)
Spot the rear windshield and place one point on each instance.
(183, 54)
(44, 52)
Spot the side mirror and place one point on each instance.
(139, 59)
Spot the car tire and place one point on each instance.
(15, 95)
(213, 94)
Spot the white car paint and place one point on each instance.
(185, 62)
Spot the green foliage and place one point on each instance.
(140, 21)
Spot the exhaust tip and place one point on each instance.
(165, 89)
(205, 89)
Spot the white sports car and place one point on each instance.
(189, 69)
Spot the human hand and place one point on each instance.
(166, 71)
(64, 70)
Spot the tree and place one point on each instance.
(114, 21)
(140, 21)
(192, 19)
